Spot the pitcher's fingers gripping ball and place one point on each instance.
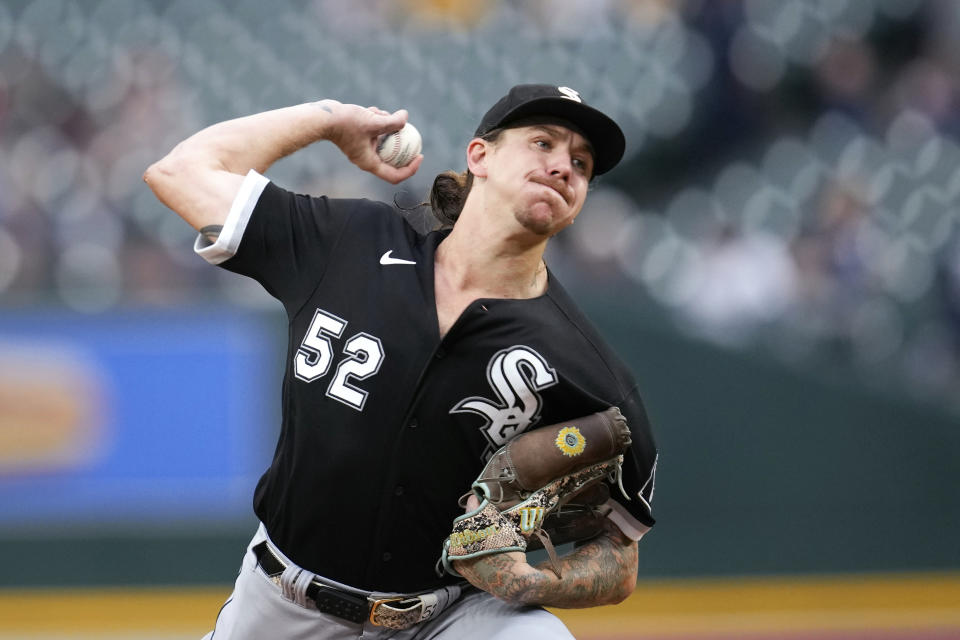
(400, 147)
(544, 487)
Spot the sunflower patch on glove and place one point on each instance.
(542, 488)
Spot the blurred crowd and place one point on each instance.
(810, 206)
(791, 180)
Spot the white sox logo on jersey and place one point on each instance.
(516, 375)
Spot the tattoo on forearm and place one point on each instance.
(596, 573)
(600, 572)
(211, 232)
(325, 107)
(495, 574)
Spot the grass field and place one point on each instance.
(880, 607)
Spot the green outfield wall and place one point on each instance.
(769, 468)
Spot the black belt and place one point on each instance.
(342, 604)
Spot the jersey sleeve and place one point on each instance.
(281, 239)
(634, 517)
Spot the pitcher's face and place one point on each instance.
(543, 171)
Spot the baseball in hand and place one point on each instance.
(400, 147)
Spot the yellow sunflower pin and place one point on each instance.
(570, 441)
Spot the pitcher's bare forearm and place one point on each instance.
(199, 178)
(257, 141)
(603, 571)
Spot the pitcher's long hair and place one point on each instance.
(450, 190)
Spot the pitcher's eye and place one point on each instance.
(582, 165)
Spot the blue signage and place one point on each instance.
(135, 418)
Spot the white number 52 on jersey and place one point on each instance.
(364, 356)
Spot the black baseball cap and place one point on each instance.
(525, 100)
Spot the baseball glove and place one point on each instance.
(542, 488)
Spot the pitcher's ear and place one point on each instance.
(477, 157)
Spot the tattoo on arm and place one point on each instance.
(602, 571)
(325, 107)
(498, 574)
(211, 232)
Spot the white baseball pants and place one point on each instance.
(258, 610)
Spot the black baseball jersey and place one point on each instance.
(385, 423)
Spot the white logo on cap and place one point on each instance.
(570, 94)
